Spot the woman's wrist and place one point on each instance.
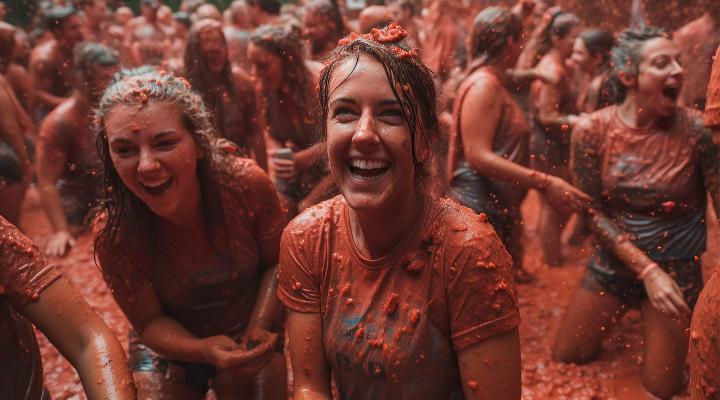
(647, 270)
(542, 181)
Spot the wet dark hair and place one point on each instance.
(625, 58)
(195, 68)
(90, 54)
(269, 6)
(492, 28)
(182, 18)
(285, 43)
(560, 24)
(407, 5)
(56, 16)
(412, 83)
(329, 10)
(128, 216)
(598, 41)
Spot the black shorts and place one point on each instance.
(687, 274)
(10, 169)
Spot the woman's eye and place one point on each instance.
(394, 115)
(123, 151)
(166, 144)
(343, 112)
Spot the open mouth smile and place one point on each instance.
(367, 169)
(157, 188)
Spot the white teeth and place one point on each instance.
(155, 185)
(368, 164)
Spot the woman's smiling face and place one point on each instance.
(368, 140)
(155, 156)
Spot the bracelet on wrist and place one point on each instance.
(647, 270)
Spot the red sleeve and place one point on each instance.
(298, 277)
(712, 106)
(268, 217)
(24, 271)
(480, 289)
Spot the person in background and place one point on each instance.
(67, 166)
(650, 226)
(51, 63)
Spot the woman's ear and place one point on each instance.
(627, 79)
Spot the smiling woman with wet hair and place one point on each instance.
(187, 241)
(648, 164)
(400, 293)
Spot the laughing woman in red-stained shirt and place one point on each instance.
(398, 292)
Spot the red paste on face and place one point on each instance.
(24, 274)
(391, 331)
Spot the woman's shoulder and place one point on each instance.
(233, 172)
(460, 226)
(313, 221)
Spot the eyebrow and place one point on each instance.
(384, 103)
(163, 133)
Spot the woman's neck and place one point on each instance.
(634, 114)
(377, 232)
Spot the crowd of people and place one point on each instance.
(378, 155)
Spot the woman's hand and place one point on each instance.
(58, 243)
(281, 168)
(249, 356)
(664, 293)
(565, 197)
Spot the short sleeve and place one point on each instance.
(268, 217)
(480, 290)
(24, 271)
(712, 106)
(584, 158)
(298, 276)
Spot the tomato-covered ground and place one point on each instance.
(614, 376)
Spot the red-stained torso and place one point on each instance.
(704, 352)
(652, 182)
(235, 112)
(48, 57)
(511, 141)
(65, 133)
(209, 285)
(392, 326)
(23, 275)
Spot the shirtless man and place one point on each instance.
(51, 62)
(237, 33)
(97, 28)
(404, 14)
(146, 39)
(68, 168)
(14, 161)
(698, 41)
(16, 74)
(322, 26)
(264, 12)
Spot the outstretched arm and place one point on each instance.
(84, 339)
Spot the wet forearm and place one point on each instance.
(497, 167)
(612, 237)
(168, 338)
(267, 305)
(103, 369)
